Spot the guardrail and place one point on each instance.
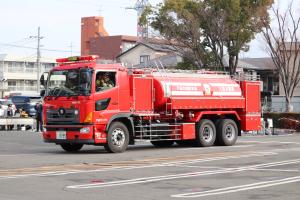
(16, 123)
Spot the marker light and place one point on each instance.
(89, 118)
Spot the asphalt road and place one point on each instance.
(257, 167)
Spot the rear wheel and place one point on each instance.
(205, 133)
(117, 138)
(227, 132)
(164, 143)
(71, 147)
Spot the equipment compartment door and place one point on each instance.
(143, 94)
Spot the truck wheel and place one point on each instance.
(71, 147)
(227, 132)
(205, 133)
(117, 138)
(165, 143)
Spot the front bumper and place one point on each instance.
(78, 141)
(73, 134)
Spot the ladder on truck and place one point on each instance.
(160, 68)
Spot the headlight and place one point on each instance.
(85, 130)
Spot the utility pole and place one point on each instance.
(38, 57)
(139, 7)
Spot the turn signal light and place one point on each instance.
(89, 118)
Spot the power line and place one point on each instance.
(94, 4)
(43, 49)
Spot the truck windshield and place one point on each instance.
(73, 82)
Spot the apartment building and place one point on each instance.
(18, 74)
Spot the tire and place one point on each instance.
(217, 122)
(164, 143)
(205, 133)
(117, 138)
(227, 132)
(71, 147)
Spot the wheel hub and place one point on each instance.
(118, 137)
(207, 133)
(230, 132)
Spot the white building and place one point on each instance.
(18, 74)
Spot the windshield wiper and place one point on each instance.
(72, 95)
(58, 94)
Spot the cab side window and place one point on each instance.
(105, 81)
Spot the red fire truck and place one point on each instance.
(160, 106)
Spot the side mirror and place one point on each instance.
(43, 79)
(42, 93)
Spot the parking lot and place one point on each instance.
(257, 167)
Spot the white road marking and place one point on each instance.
(200, 167)
(59, 173)
(27, 154)
(277, 170)
(214, 147)
(179, 176)
(147, 179)
(270, 142)
(239, 188)
(241, 146)
(286, 150)
(265, 136)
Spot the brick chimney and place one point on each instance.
(91, 27)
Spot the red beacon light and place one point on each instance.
(76, 59)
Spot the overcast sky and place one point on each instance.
(60, 24)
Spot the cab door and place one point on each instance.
(106, 98)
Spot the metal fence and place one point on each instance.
(277, 104)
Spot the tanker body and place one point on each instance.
(197, 108)
(188, 91)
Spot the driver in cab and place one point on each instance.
(104, 81)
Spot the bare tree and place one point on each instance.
(284, 48)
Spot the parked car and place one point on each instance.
(7, 108)
(26, 103)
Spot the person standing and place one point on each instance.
(39, 114)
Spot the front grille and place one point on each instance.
(69, 116)
(65, 129)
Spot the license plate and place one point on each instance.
(61, 135)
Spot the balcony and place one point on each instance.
(21, 88)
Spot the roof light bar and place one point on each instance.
(77, 59)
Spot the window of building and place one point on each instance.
(12, 82)
(15, 67)
(144, 59)
(12, 85)
(30, 85)
(30, 67)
